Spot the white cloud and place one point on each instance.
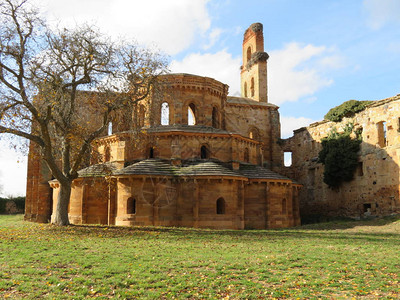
(170, 25)
(382, 12)
(288, 124)
(297, 71)
(332, 62)
(213, 37)
(220, 66)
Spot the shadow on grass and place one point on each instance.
(347, 223)
(383, 230)
(380, 230)
(328, 226)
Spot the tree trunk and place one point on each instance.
(61, 217)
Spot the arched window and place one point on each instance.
(109, 129)
(245, 89)
(191, 114)
(215, 117)
(141, 116)
(253, 134)
(246, 155)
(248, 53)
(204, 152)
(151, 152)
(220, 206)
(252, 87)
(131, 206)
(107, 153)
(164, 113)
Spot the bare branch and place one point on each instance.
(66, 85)
(28, 136)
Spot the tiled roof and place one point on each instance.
(207, 168)
(195, 167)
(98, 170)
(257, 172)
(158, 167)
(150, 166)
(248, 101)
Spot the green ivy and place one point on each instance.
(346, 109)
(339, 155)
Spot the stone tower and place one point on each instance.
(254, 69)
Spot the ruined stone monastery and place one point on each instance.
(197, 157)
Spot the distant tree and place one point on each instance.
(42, 75)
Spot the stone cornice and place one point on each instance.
(184, 178)
(216, 178)
(234, 136)
(110, 139)
(273, 181)
(272, 106)
(256, 57)
(195, 83)
(124, 136)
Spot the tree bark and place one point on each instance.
(61, 217)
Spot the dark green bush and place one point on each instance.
(339, 155)
(19, 202)
(346, 109)
(2, 205)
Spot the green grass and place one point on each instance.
(336, 260)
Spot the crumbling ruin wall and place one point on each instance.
(374, 189)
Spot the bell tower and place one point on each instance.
(253, 75)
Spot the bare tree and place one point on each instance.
(54, 85)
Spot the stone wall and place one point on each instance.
(375, 187)
(261, 120)
(38, 203)
(163, 201)
(181, 145)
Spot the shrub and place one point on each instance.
(346, 109)
(2, 205)
(339, 155)
(19, 202)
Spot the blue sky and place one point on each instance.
(322, 53)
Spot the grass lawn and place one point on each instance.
(337, 260)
